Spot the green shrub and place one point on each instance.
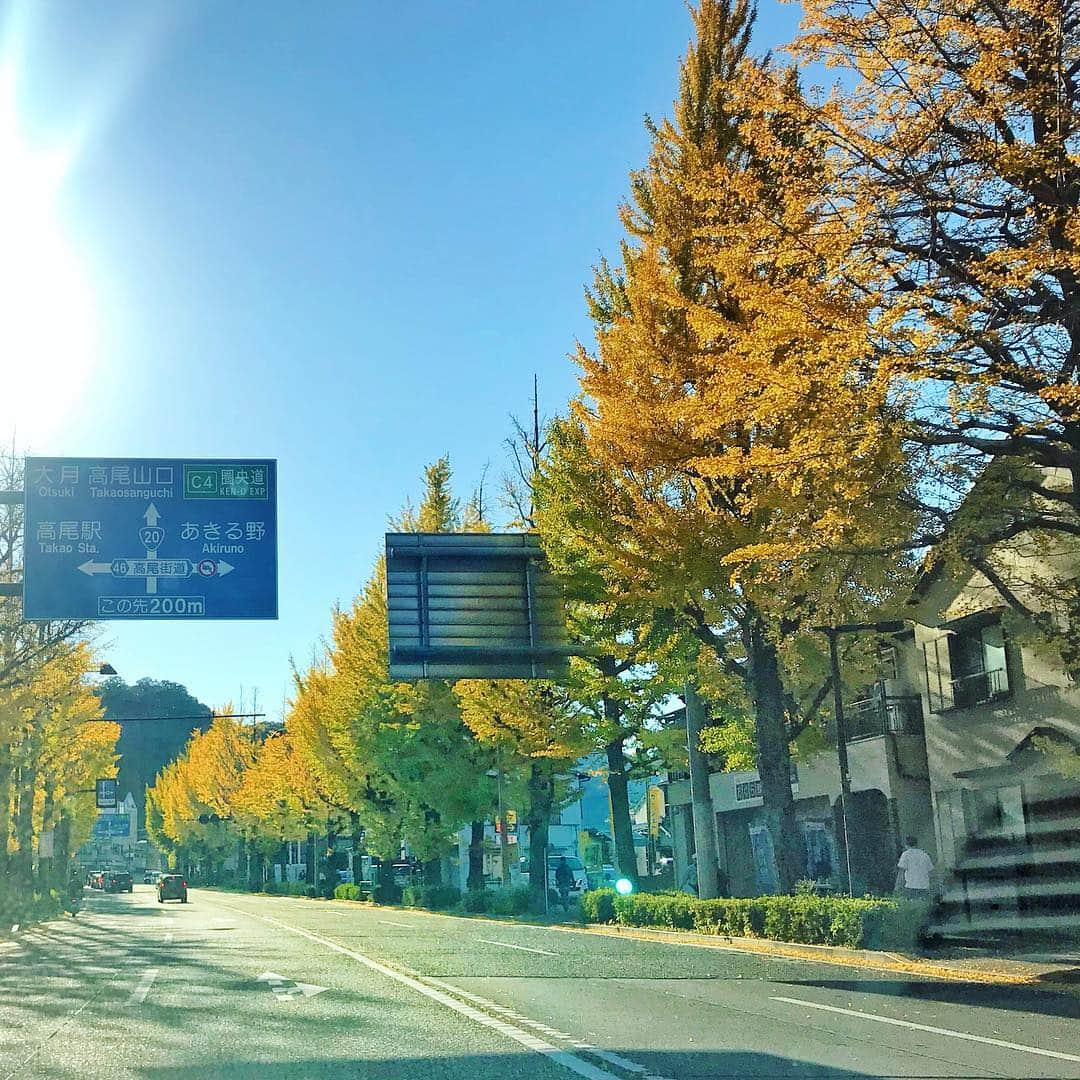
(672, 910)
(903, 925)
(345, 891)
(803, 919)
(476, 900)
(598, 906)
(271, 887)
(432, 897)
(510, 901)
(311, 892)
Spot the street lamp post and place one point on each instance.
(833, 634)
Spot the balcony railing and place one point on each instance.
(979, 687)
(884, 716)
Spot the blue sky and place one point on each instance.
(342, 235)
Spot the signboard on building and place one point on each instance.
(149, 538)
(472, 606)
(105, 790)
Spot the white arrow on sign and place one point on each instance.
(91, 568)
(287, 989)
(224, 568)
(152, 516)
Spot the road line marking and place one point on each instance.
(933, 1030)
(138, 995)
(390, 922)
(522, 948)
(561, 1057)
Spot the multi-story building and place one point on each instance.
(946, 747)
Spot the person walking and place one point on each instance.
(913, 871)
(564, 881)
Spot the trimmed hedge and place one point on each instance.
(346, 891)
(598, 906)
(804, 920)
(432, 897)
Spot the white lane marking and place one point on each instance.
(522, 948)
(390, 922)
(605, 1055)
(933, 1030)
(562, 1057)
(138, 995)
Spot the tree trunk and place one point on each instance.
(541, 786)
(774, 757)
(708, 869)
(7, 772)
(23, 868)
(433, 875)
(621, 825)
(476, 855)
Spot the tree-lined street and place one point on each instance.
(235, 986)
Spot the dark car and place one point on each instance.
(171, 887)
(118, 881)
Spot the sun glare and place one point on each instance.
(46, 308)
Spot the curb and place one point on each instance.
(819, 954)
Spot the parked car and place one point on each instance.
(171, 887)
(118, 881)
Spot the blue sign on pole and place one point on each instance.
(148, 538)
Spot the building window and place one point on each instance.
(966, 666)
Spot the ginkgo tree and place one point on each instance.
(705, 385)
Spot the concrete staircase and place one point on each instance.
(1018, 886)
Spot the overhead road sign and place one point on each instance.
(150, 538)
(105, 790)
(473, 606)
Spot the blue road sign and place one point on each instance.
(106, 793)
(148, 538)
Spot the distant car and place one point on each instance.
(171, 887)
(118, 881)
(96, 879)
(345, 877)
(91, 878)
(150, 877)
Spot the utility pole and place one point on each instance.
(832, 633)
(708, 870)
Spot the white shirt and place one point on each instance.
(916, 865)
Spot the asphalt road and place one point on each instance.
(243, 986)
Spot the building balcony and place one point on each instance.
(877, 715)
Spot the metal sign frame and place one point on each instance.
(472, 606)
(105, 793)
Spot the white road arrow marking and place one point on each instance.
(286, 989)
(138, 995)
(152, 516)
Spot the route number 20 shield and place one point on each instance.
(151, 536)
